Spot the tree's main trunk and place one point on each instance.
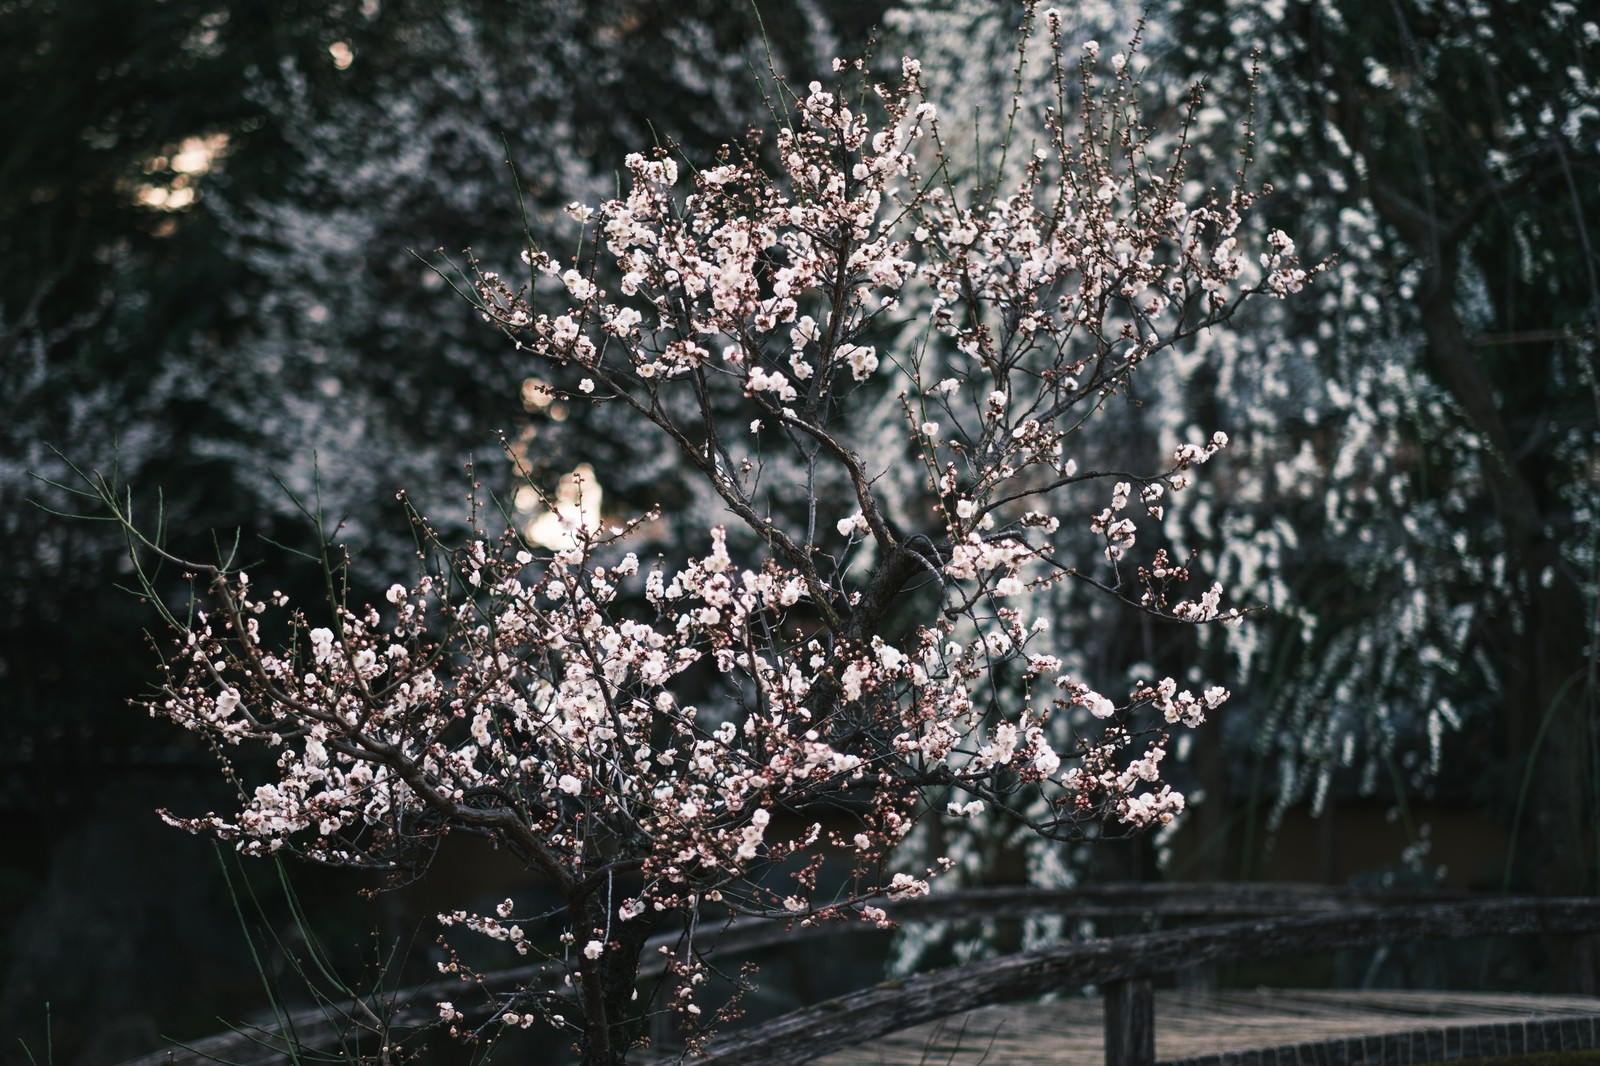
(613, 1019)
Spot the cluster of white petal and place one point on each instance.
(688, 724)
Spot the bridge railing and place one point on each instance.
(1124, 968)
(1270, 920)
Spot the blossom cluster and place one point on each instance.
(655, 739)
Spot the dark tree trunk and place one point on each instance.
(613, 1018)
(1547, 702)
(1540, 635)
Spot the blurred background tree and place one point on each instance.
(1449, 154)
(1413, 482)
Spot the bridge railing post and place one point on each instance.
(1130, 1022)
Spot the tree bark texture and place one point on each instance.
(1130, 1022)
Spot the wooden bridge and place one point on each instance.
(955, 1016)
(1124, 969)
(1264, 1027)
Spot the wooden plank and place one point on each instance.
(317, 1028)
(314, 1027)
(1130, 1022)
(1197, 1026)
(806, 1034)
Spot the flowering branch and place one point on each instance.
(656, 739)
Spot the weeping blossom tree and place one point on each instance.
(1417, 515)
(750, 731)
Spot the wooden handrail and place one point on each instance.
(1273, 903)
(839, 1023)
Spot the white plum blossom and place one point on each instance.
(677, 726)
(579, 286)
(862, 359)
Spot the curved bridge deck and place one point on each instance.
(1253, 1028)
